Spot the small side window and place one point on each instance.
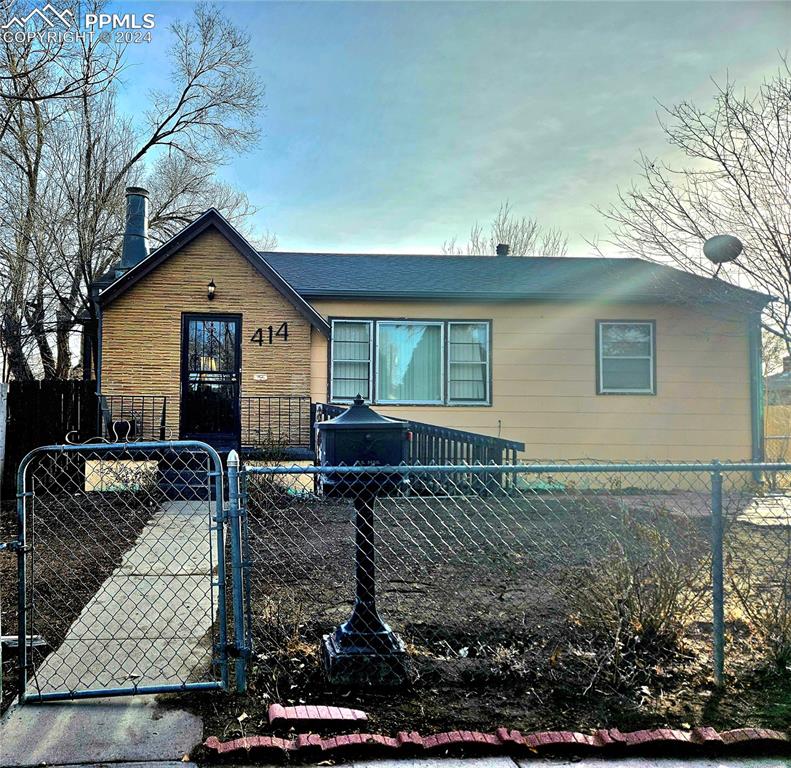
(626, 357)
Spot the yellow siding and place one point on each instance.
(544, 381)
(141, 330)
(543, 362)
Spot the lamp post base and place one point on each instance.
(376, 659)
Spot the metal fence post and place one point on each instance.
(248, 609)
(717, 590)
(216, 487)
(21, 543)
(234, 520)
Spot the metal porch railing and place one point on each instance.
(276, 422)
(134, 417)
(432, 444)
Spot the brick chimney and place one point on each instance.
(787, 365)
(502, 249)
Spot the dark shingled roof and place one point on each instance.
(317, 275)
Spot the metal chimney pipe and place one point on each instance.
(136, 232)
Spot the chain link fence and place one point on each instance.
(471, 582)
(120, 589)
(502, 575)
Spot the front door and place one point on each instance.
(210, 353)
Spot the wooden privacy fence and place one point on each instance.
(777, 433)
(44, 413)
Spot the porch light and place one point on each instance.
(210, 289)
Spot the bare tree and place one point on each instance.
(84, 154)
(41, 75)
(36, 66)
(735, 179)
(524, 236)
(22, 189)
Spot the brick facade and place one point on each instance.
(141, 329)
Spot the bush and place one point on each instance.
(758, 573)
(646, 584)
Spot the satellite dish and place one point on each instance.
(722, 248)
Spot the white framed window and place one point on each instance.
(409, 362)
(468, 362)
(626, 357)
(352, 344)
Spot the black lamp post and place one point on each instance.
(364, 649)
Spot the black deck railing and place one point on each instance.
(134, 417)
(432, 444)
(284, 423)
(275, 422)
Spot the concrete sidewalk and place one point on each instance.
(504, 762)
(148, 624)
(630, 762)
(96, 731)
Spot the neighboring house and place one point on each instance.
(778, 385)
(778, 414)
(574, 357)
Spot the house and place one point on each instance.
(778, 385)
(777, 427)
(617, 359)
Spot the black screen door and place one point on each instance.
(210, 379)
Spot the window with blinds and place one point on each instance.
(411, 362)
(468, 362)
(626, 357)
(351, 359)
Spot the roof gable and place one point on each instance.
(213, 219)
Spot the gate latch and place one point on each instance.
(235, 652)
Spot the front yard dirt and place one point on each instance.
(544, 612)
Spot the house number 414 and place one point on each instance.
(268, 335)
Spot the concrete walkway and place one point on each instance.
(96, 731)
(149, 624)
(489, 762)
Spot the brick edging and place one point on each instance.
(307, 746)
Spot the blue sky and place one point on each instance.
(393, 126)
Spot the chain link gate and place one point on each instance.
(139, 602)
